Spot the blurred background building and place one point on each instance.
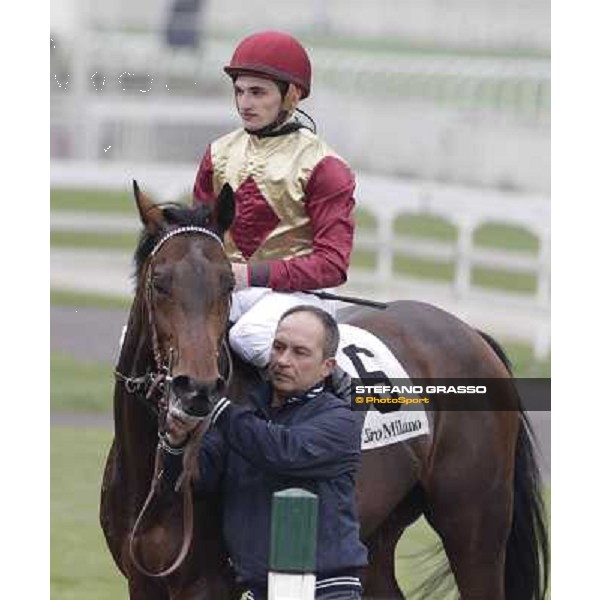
(441, 106)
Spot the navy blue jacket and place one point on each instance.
(312, 442)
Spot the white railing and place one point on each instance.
(467, 209)
(518, 87)
(518, 315)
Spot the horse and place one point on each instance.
(474, 476)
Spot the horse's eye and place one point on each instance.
(161, 284)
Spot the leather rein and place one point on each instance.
(146, 387)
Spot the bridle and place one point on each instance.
(145, 386)
(160, 380)
(148, 282)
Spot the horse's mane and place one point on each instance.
(175, 215)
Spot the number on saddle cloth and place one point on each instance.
(353, 352)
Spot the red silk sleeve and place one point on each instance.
(329, 205)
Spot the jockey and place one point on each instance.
(293, 228)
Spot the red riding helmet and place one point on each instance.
(275, 54)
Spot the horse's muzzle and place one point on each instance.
(195, 398)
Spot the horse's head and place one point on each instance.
(185, 281)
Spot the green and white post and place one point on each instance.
(292, 561)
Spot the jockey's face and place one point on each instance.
(297, 362)
(258, 101)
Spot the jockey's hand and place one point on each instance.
(240, 272)
(178, 427)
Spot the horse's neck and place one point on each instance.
(135, 424)
(245, 377)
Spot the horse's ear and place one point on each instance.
(225, 209)
(150, 213)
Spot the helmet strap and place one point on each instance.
(314, 125)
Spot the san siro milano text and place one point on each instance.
(390, 430)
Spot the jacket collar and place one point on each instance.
(261, 396)
(289, 125)
(315, 390)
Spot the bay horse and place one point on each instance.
(474, 476)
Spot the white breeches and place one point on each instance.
(256, 312)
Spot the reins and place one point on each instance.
(188, 520)
(160, 381)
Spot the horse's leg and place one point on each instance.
(475, 553)
(379, 578)
(469, 497)
(385, 511)
(380, 575)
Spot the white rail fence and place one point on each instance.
(515, 315)
(515, 87)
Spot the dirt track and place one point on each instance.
(93, 334)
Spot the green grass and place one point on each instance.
(425, 226)
(103, 201)
(523, 361)
(414, 560)
(80, 564)
(83, 299)
(110, 241)
(364, 260)
(93, 200)
(422, 268)
(499, 279)
(508, 237)
(364, 219)
(80, 386)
